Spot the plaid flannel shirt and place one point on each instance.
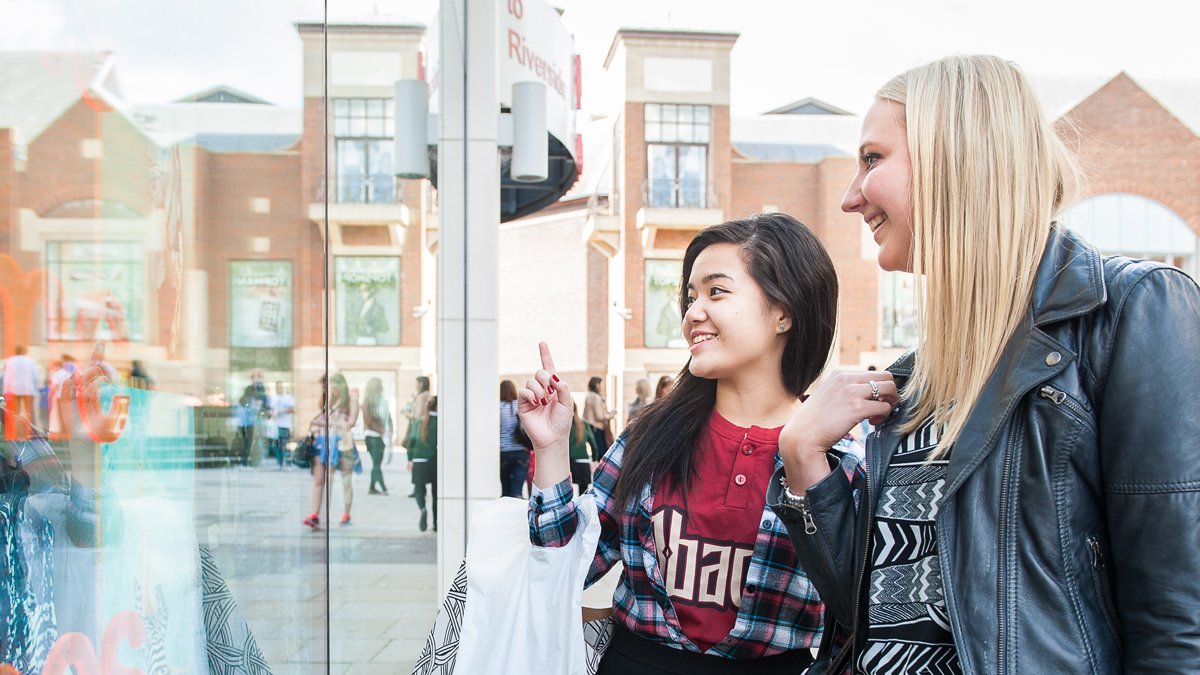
(780, 609)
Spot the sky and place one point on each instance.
(789, 49)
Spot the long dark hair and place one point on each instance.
(794, 271)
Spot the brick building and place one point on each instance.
(668, 159)
(192, 235)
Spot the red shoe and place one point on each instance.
(313, 521)
(345, 519)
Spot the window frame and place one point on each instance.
(346, 113)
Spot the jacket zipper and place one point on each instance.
(866, 556)
(1061, 398)
(810, 528)
(1001, 580)
(1100, 581)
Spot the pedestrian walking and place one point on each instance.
(334, 445)
(422, 463)
(377, 425)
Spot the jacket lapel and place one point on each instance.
(1026, 362)
(1069, 283)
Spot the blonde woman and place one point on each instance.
(1031, 504)
(377, 426)
(642, 389)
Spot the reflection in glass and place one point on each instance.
(678, 175)
(165, 329)
(364, 165)
(368, 300)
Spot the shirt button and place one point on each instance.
(767, 524)
(1053, 358)
(740, 479)
(751, 588)
(747, 449)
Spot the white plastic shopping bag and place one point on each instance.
(520, 605)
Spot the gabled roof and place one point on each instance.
(222, 93)
(801, 153)
(1061, 94)
(37, 87)
(218, 126)
(808, 106)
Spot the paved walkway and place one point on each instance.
(380, 593)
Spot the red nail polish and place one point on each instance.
(543, 401)
(555, 378)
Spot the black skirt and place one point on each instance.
(424, 471)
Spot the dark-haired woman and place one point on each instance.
(710, 581)
(514, 457)
(416, 412)
(582, 450)
(664, 387)
(422, 463)
(597, 417)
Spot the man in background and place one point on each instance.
(20, 388)
(283, 407)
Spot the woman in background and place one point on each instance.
(597, 416)
(581, 459)
(664, 387)
(642, 389)
(514, 455)
(377, 425)
(422, 463)
(334, 445)
(416, 412)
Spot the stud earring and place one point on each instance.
(782, 326)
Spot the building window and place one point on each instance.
(897, 302)
(362, 128)
(368, 300)
(1135, 226)
(260, 303)
(662, 321)
(95, 291)
(677, 139)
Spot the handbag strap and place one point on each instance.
(838, 662)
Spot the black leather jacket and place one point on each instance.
(1069, 538)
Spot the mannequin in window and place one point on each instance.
(371, 322)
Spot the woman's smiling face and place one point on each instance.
(882, 188)
(729, 323)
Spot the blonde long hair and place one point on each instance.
(989, 175)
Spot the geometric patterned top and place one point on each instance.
(908, 627)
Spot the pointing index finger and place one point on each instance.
(547, 360)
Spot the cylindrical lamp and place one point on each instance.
(531, 144)
(412, 120)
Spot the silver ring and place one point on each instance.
(874, 390)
